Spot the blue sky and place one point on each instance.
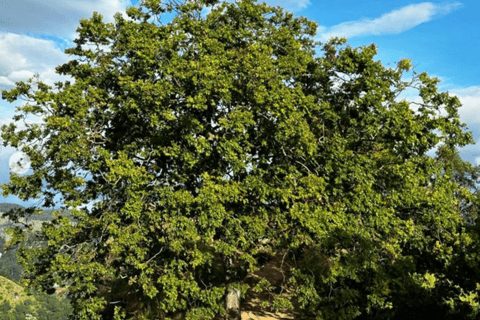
(442, 38)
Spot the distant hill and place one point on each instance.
(4, 207)
(15, 302)
(46, 216)
(11, 292)
(37, 220)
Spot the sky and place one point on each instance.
(442, 38)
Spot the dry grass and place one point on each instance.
(12, 292)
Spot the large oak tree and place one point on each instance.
(208, 142)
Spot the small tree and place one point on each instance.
(204, 140)
(5, 310)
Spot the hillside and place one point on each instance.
(37, 220)
(4, 207)
(18, 303)
(45, 216)
(9, 266)
(11, 292)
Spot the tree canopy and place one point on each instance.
(211, 141)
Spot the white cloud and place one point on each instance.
(470, 99)
(22, 56)
(5, 82)
(290, 5)
(393, 22)
(19, 52)
(54, 17)
(469, 114)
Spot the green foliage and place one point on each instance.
(17, 303)
(201, 138)
(5, 310)
(467, 177)
(52, 307)
(9, 266)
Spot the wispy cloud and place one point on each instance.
(469, 114)
(393, 22)
(470, 99)
(290, 5)
(54, 17)
(22, 56)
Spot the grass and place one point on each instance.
(12, 292)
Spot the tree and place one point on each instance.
(52, 307)
(205, 142)
(5, 309)
(467, 176)
(9, 266)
